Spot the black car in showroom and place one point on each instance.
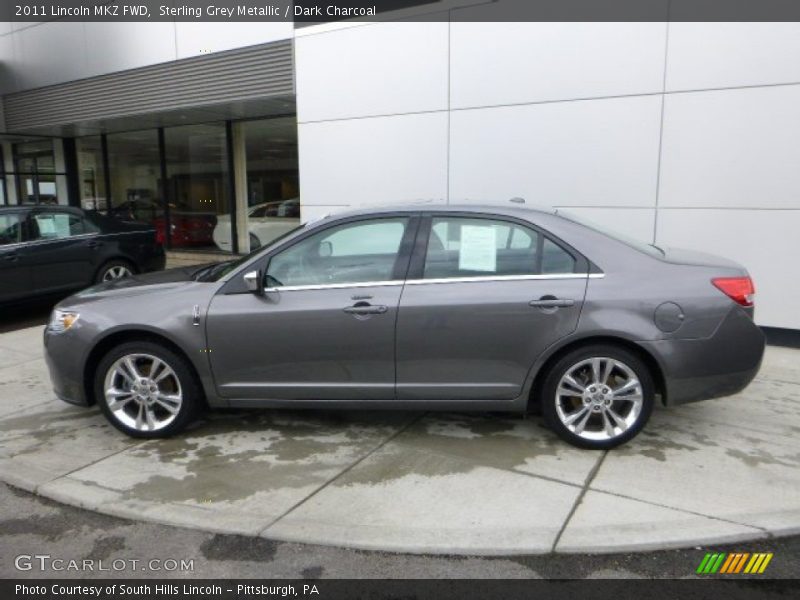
(51, 250)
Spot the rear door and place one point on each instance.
(61, 250)
(15, 272)
(484, 298)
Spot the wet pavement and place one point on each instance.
(720, 471)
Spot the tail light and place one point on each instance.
(739, 289)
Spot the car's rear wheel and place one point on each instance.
(146, 390)
(598, 396)
(114, 269)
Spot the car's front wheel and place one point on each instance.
(146, 390)
(598, 397)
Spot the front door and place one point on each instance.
(325, 327)
(489, 298)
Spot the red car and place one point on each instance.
(186, 228)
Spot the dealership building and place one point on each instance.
(679, 134)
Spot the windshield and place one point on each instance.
(651, 249)
(218, 271)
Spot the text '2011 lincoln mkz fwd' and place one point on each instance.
(427, 307)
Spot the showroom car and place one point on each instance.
(48, 250)
(187, 228)
(488, 308)
(265, 222)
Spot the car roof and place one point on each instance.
(509, 209)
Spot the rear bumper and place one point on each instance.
(720, 365)
(155, 261)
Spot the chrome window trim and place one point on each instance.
(478, 279)
(334, 286)
(486, 278)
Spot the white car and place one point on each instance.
(265, 222)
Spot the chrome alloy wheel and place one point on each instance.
(116, 272)
(599, 398)
(142, 392)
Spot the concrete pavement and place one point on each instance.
(718, 471)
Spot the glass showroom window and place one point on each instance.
(36, 176)
(273, 181)
(134, 165)
(91, 172)
(197, 177)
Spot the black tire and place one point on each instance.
(254, 242)
(549, 400)
(191, 391)
(110, 266)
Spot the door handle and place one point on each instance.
(362, 308)
(551, 302)
(11, 257)
(94, 244)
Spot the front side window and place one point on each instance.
(10, 228)
(475, 247)
(357, 252)
(52, 226)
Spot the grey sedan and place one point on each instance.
(421, 307)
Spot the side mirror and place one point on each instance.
(253, 282)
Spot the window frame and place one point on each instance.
(416, 271)
(235, 283)
(41, 209)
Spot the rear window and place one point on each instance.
(650, 249)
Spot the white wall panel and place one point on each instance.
(732, 148)
(596, 152)
(374, 161)
(710, 55)
(198, 37)
(380, 69)
(636, 223)
(311, 213)
(761, 240)
(120, 46)
(507, 63)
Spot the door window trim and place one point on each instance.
(235, 285)
(416, 271)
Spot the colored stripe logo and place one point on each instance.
(734, 563)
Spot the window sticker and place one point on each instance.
(47, 228)
(61, 225)
(478, 249)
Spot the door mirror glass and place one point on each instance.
(252, 280)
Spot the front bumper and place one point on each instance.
(720, 365)
(65, 365)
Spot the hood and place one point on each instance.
(136, 285)
(682, 256)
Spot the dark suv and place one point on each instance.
(57, 249)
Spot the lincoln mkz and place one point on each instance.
(426, 307)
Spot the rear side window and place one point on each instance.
(51, 226)
(470, 247)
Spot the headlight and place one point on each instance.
(62, 320)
